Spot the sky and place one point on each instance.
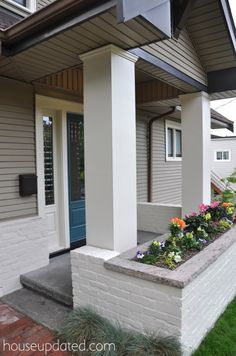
(227, 107)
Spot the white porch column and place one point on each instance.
(196, 130)
(110, 148)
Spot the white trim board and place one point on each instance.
(59, 109)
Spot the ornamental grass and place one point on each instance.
(84, 326)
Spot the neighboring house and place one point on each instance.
(68, 75)
(223, 155)
(223, 159)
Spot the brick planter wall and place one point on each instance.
(185, 302)
(24, 248)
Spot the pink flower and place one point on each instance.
(203, 207)
(214, 204)
(190, 215)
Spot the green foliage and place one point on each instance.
(229, 195)
(224, 225)
(85, 324)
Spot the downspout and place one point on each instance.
(149, 137)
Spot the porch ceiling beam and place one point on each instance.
(180, 12)
(157, 62)
(156, 12)
(222, 80)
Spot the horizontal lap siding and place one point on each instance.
(167, 176)
(17, 147)
(180, 54)
(42, 3)
(141, 161)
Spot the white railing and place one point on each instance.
(217, 181)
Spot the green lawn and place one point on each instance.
(221, 341)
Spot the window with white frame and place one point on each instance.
(222, 155)
(173, 141)
(21, 7)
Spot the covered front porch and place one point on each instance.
(92, 74)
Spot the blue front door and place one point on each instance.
(76, 179)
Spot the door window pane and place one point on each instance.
(178, 136)
(76, 131)
(48, 159)
(170, 143)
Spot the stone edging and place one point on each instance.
(179, 277)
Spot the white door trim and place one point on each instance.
(61, 107)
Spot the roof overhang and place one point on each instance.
(62, 15)
(229, 21)
(34, 47)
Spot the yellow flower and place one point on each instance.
(207, 216)
(189, 235)
(156, 243)
(229, 210)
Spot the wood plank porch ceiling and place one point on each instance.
(205, 27)
(63, 50)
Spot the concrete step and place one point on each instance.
(38, 307)
(53, 281)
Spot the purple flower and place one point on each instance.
(139, 255)
(163, 244)
(202, 241)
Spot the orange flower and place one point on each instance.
(225, 204)
(178, 222)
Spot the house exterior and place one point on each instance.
(79, 80)
(167, 164)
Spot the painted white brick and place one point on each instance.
(24, 248)
(135, 303)
(187, 313)
(155, 217)
(205, 299)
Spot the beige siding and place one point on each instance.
(141, 161)
(180, 54)
(17, 147)
(42, 3)
(208, 31)
(167, 176)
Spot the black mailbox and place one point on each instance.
(27, 184)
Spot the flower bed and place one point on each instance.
(189, 236)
